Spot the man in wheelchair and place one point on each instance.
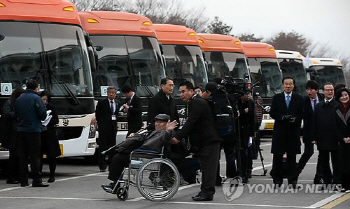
(154, 141)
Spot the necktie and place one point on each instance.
(288, 100)
(314, 104)
(112, 106)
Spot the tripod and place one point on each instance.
(257, 140)
(256, 99)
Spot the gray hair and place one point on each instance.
(111, 88)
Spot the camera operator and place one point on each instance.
(219, 100)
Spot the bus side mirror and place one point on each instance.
(98, 48)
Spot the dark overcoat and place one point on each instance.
(343, 124)
(246, 121)
(308, 118)
(49, 142)
(325, 127)
(286, 135)
(199, 125)
(160, 104)
(134, 114)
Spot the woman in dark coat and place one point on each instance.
(49, 143)
(343, 122)
(10, 136)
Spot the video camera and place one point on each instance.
(235, 86)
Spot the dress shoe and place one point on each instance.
(25, 184)
(39, 185)
(51, 179)
(202, 198)
(111, 188)
(12, 181)
(103, 168)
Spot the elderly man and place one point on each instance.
(106, 116)
(155, 140)
(287, 110)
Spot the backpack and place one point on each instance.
(222, 112)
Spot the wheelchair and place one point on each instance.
(156, 178)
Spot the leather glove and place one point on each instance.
(286, 117)
(292, 120)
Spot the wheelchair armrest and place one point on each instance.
(141, 153)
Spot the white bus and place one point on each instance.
(291, 64)
(326, 70)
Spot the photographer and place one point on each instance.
(287, 110)
(246, 132)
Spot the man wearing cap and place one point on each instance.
(155, 140)
(199, 127)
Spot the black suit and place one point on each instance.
(286, 134)
(326, 135)
(307, 132)
(107, 128)
(134, 114)
(160, 104)
(200, 129)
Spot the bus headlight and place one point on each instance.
(92, 131)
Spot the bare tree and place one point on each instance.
(99, 5)
(159, 11)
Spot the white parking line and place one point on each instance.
(228, 204)
(58, 180)
(55, 198)
(327, 200)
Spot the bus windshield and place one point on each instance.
(129, 60)
(60, 50)
(295, 69)
(221, 64)
(333, 74)
(185, 63)
(267, 73)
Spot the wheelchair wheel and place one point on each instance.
(158, 180)
(122, 193)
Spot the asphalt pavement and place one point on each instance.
(78, 185)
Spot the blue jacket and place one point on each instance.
(30, 111)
